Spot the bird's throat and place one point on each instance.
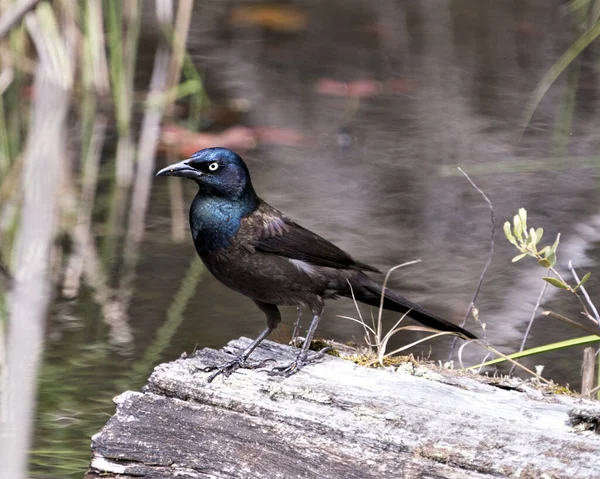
(215, 221)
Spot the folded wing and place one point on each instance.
(279, 235)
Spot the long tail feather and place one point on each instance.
(368, 291)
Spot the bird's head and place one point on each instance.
(219, 172)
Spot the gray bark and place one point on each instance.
(339, 420)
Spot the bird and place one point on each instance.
(258, 251)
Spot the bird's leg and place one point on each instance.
(302, 359)
(273, 319)
(240, 360)
(296, 332)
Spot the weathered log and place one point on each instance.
(339, 420)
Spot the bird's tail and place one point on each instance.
(368, 291)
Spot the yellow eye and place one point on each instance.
(213, 166)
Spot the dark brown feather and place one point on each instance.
(276, 234)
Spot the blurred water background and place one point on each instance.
(353, 117)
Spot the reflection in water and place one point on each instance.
(355, 115)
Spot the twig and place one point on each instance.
(511, 360)
(585, 293)
(528, 330)
(14, 14)
(383, 288)
(484, 360)
(594, 311)
(487, 263)
(296, 332)
(571, 290)
(564, 319)
(592, 307)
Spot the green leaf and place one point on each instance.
(555, 282)
(545, 250)
(554, 72)
(545, 263)
(518, 228)
(519, 257)
(552, 258)
(538, 234)
(508, 233)
(523, 216)
(532, 239)
(555, 245)
(542, 349)
(583, 280)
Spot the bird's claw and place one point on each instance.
(287, 371)
(226, 369)
(229, 368)
(301, 360)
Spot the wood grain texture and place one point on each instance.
(337, 420)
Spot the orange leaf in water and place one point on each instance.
(184, 142)
(277, 18)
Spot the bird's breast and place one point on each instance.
(214, 224)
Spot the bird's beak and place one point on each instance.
(182, 169)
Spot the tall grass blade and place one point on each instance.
(554, 72)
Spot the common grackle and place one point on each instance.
(256, 250)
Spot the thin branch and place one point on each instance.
(564, 319)
(595, 311)
(519, 365)
(585, 293)
(487, 263)
(572, 290)
(528, 330)
(383, 288)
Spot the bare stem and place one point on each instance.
(531, 319)
(487, 263)
(585, 293)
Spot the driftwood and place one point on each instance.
(339, 420)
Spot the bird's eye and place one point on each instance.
(213, 166)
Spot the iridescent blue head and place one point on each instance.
(225, 195)
(219, 172)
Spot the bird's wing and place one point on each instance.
(274, 233)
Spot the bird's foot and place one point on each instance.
(229, 368)
(301, 360)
